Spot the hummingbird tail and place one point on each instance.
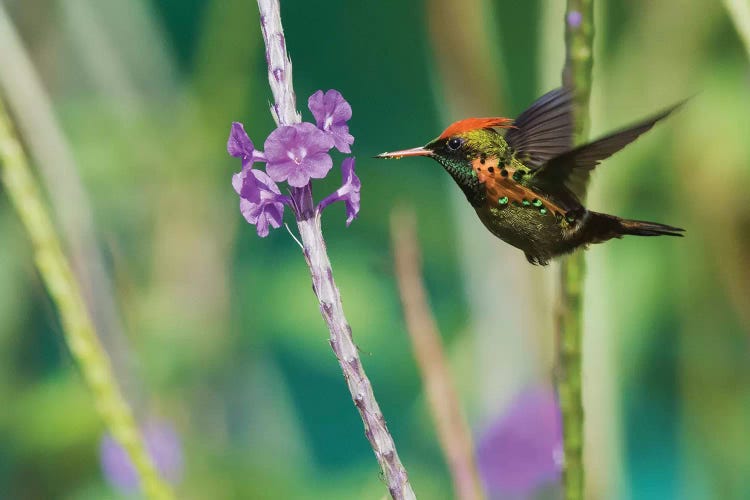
(602, 227)
(643, 228)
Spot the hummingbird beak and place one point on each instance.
(420, 151)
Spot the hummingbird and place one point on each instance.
(526, 181)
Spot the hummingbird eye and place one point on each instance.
(455, 143)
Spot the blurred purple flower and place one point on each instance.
(164, 448)
(522, 450)
(348, 192)
(574, 18)
(261, 202)
(297, 153)
(331, 112)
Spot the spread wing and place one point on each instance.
(573, 168)
(544, 130)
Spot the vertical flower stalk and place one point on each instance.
(77, 325)
(579, 35)
(295, 153)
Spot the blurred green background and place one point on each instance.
(216, 330)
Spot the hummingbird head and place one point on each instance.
(458, 146)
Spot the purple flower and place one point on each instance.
(163, 446)
(348, 192)
(331, 112)
(297, 153)
(239, 144)
(574, 18)
(261, 202)
(522, 450)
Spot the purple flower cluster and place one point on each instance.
(295, 154)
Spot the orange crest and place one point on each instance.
(474, 124)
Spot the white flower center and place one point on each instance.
(328, 122)
(297, 155)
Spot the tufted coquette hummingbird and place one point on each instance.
(526, 184)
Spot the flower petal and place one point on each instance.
(349, 192)
(261, 225)
(261, 201)
(329, 108)
(269, 213)
(247, 209)
(316, 104)
(239, 144)
(312, 138)
(237, 182)
(279, 142)
(274, 214)
(298, 178)
(340, 110)
(354, 185)
(246, 185)
(265, 182)
(281, 171)
(316, 165)
(342, 139)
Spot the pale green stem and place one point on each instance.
(739, 12)
(77, 325)
(579, 36)
(58, 174)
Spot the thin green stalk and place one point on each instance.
(65, 291)
(579, 36)
(47, 147)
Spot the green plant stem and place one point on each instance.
(579, 35)
(77, 325)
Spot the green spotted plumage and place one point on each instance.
(526, 184)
